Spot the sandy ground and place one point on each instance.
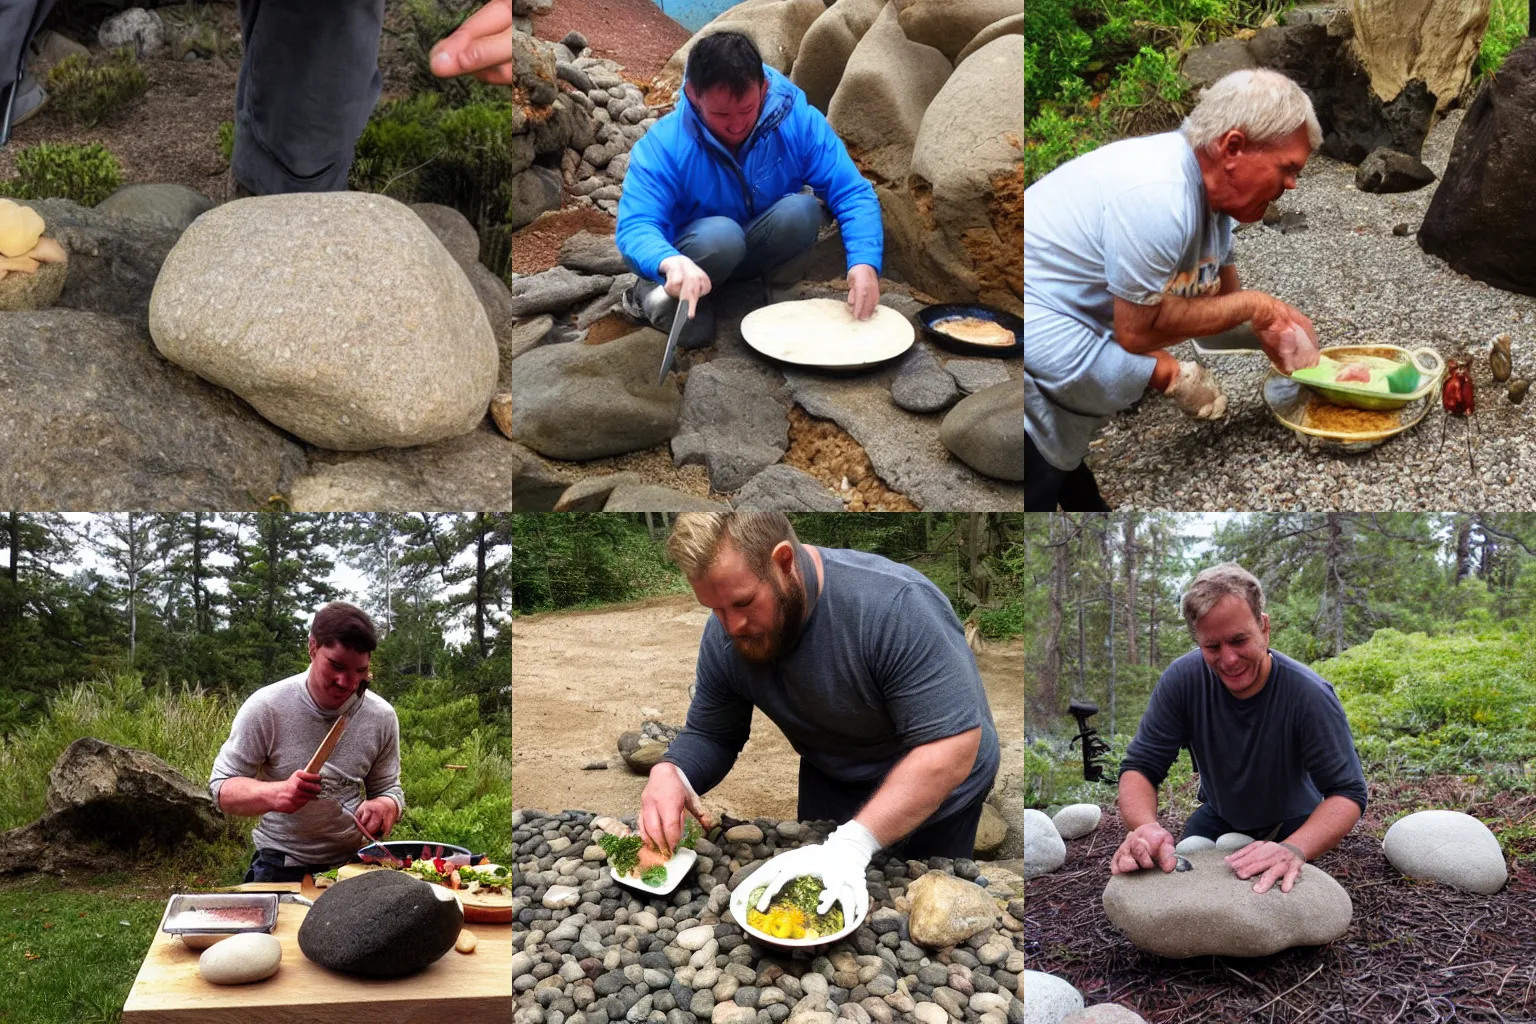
(579, 679)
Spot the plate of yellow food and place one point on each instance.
(791, 919)
(973, 330)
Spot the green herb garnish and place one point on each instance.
(656, 876)
(623, 852)
(691, 835)
(331, 874)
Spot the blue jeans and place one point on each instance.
(267, 866)
(308, 81)
(776, 244)
(1206, 822)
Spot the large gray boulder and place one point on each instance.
(1047, 998)
(462, 241)
(1044, 849)
(655, 498)
(734, 420)
(472, 472)
(1449, 847)
(948, 25)
(1013, 25)
(827, 45)
(381, 924)
(879, 103)
(986, 431)
(782, 488)
(553, 290)
(94, 418)
(339, 316)
(164, 205)
(113, 261)
(574, 401)
(774, 26)
(1209, 910)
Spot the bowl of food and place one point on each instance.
(633, 863)
(1380, 378)
(201, 919)
(973, 330)
(791, 919)
(1321, 425)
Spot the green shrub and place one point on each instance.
(427, 22)
(1053, 138)
(87, 92)
(225, 140)
(1507, 26)
(85, 173)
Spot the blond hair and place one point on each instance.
(1217, 582)
(697, 536)
(1265, 105)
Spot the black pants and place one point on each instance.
(308, 81)
(19, 22)
(1046, 487)
(823, 798)
(267, 866)
(1206, 822)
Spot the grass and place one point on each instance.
(69, 955)
(1507, 25)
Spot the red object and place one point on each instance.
(1456, 396)
(439, 865)
(407, 862)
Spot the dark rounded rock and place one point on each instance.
(383, 924)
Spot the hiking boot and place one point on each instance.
(647, 303)
(630, 306)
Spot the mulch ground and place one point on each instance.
(1415, 951)
(633, 32)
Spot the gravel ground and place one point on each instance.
(1359, 283)
(587, 950)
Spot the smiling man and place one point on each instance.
(1267, 735)
(862, 664)
(260, 768)
(714, 193)
(1128, 251)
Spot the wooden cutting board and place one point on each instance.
(465, 989)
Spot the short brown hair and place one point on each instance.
(696, 537)
(1217, 582)
(345, 624)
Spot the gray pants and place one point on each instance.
(19, 22)
(308, 81)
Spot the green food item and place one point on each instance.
(691, 835)
(623, 852)
(803, 894)
(1403, 379)
(656, 876)
(331, 874)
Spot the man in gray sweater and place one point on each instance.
(863, 665)
(1267, 735)
(260, 768)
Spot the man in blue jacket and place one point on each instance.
(713, 192)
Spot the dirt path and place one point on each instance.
(579, 679)
(633, 32)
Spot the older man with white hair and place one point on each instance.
(1267, 735)
(1128, 251)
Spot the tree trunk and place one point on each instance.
(1333, 557)
(1463, 546)
(1050, 671)
(1082, 643)
(482, 535)
(1107, 552)
(1128, 553)
(1155, 592)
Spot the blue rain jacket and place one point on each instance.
(679, 172)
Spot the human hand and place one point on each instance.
(662, 805)
(482, 46)
(1196, 392)
(685, 280)
(1276, 861)
(1287, 335)
(378, 815)
(863, 290)
(1147, 846)
(295, 791)
(840, 863)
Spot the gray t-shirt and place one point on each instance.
(275, 733)
(1129, 219)
(1273, 756)
(881, 666)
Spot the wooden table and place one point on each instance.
(461, 989)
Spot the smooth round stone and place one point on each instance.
(730, 1013)
(381, 924)
(1077, 820)
(559, 897)
(1104, 1013)
(694, 939)
(744, 834)
(1048, 998)
(1044, 849)
(1449, 847)
(247, 957)
(931, 1013)
(1230, 841)
(1189, 844)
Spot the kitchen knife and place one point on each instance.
(678, 319)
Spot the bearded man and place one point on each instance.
(863, 665)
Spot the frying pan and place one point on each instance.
(929, 316)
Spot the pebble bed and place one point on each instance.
(1359, 283)
(587, 950)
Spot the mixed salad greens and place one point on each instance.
(624, 854)
(792, 914)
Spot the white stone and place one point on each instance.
(1189, 844)
(931, 1013)
(249, 956)
(1230, 841)
(693, 939)
(1044, 849)
(558, 897)
(1048, 998)
(1449, 847)
(1077, 820)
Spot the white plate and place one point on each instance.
(823, 332)
(739, 912)
(677, 870)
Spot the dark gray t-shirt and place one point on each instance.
(880, 667)
(1271, 757)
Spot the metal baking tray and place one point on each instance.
(219, 913)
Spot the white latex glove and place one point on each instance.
(840, 863)
(1196, 392)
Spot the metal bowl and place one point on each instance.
(930, 315)
(412, 848)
